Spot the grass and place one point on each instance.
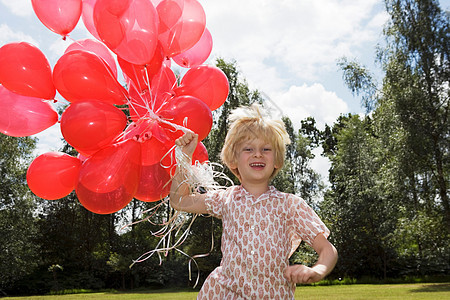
(421, 291)
(428, 291)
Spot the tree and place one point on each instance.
(415, 105)
(361, 217)
(77, 240)
(18, 254)
(417, 72)
(410, 134)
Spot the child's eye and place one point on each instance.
(267, 149)
(247, 149)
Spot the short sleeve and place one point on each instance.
(305, 223)
(214, 203)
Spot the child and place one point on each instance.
(262, 227)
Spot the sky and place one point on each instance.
(287, 49)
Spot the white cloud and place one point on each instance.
(19, 7)
(303, 38)
(8, 35)
(58, 47)
(378, 21)
(49, 140)
(321, 165)
(300, 102)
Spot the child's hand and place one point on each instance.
(188, 142)
(301, 274)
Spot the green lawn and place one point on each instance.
(336, 292)
(368, 291)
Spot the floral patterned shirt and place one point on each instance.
(259, 236)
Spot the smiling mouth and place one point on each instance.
(257, 165)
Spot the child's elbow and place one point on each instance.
(333, 255)
(174, 202)
(335, 252)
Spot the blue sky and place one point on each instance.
(284, 48)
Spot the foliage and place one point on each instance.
(360, 216)
(18, 254)
(389, 174)
(415, 106)
(417, 71)
(360, 82)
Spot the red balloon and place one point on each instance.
(91, 125)
(87, 15)
(207, 83)
(140, 131)
(98, 49)
(107, 14)
(145, 129)
(25, 70)
(154, 184)
(142, 75)
(156, 164)
(182, 23)
(188, 112)
(60, 16)
(162, 86)
(81, 75)
(200, 154)
(128, 27)
(53, 175)
(82, 157)
(196, 55)
(109, 179)
(24, 116)
(141, 103)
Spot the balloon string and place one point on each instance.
(133, 106)
(178, 29)
(174, 228)
(150, 114)
(212, 243)
(153, 209)
(147, 81)
(177, 228)
(73, 41)
(151, 104)
(138, 89)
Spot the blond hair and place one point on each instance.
(248, 123)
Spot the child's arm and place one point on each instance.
(180, 194)
(325, 264)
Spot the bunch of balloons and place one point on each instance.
(124, 136)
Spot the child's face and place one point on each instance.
(255, 161)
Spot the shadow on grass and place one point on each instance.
(432, 288)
